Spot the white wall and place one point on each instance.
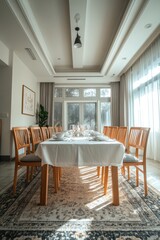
(21, 75)
(4, 53)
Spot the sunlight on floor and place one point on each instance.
(99, 204)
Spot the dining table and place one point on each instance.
(80, 151)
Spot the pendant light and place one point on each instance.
(77, 42)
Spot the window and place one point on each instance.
(105, 114)
(105, 92)
(90, 92)
(82, 105)
(58, 114)
(58, 92)
(143, 100)
(83, 113)
(72, 92)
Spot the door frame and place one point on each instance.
(80, 101)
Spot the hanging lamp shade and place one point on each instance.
(77, 42)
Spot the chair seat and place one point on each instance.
(130, 158)
(30, 158)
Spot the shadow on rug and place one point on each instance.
(79, 210)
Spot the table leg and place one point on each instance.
(44, 184)
(115, 187)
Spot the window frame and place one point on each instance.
(81, 98)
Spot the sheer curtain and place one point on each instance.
(142, 94)
(46, 99)
(115, 103)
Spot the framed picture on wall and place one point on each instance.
(28, 101)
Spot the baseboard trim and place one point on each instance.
(5, 158)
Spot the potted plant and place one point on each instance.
(42, 116)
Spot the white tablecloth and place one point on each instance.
(81, 153)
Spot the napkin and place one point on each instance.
(102, 138)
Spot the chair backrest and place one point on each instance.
(22, 141)
(114, 132)
(144, 141)
(45, 133)
(107, 131)
(58, 129)
(51, 131)
(36, 137)
(134, 137)
(122, 135)
(138, 138)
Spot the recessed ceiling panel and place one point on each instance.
(102, 21)
(52, 17)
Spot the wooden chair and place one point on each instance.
(113, 132)
(36, 137)
(107, 131)
(122, 135)
(45, 133)
(138, 138)
(23, 155)
(51, 131)
(58, 169)
(133, 139)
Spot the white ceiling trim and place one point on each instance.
(122, 33)
(23, 13)
(147, 16)
(76, 6)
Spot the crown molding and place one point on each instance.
(22, 11)
(123, 32)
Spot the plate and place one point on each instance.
(57, 139)
(79, 138)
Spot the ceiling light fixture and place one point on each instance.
(77, 42)
(148, 25)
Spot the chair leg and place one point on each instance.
(123, 170)
(27, 174)
(105, 179)
(15, 178)
(98, 171)
(128, 169)
(31, 173)
(103, 175)
(145, 182)
(137, 177)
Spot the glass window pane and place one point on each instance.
(57, 114)
(90, 115)
(73, 114)
(72, 92)
(105, 114)
(89, 92)
(105, 92)
(58, 92)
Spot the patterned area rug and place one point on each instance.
(79, 210)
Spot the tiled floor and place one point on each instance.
(7, 172)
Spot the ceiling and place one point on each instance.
(113, 34)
